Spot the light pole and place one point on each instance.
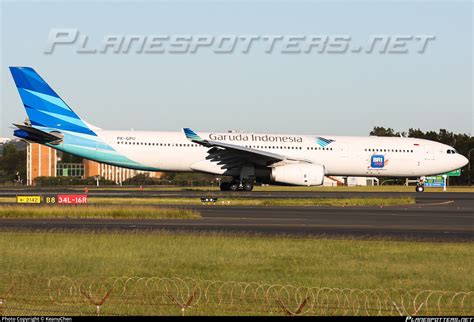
(469, 166)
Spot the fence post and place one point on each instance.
(186, 305)
(293, 313)
(97, 304)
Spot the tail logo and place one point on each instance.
(191, 135)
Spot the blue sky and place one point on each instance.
(308, 94)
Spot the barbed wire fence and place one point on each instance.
(188, 296)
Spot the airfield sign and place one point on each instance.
(28, 199)
(454, 173)
(435, 181)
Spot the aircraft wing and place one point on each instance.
(232, 155)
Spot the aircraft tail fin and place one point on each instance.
(44, 107)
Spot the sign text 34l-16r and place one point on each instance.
(72, 199)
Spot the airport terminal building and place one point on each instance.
(42, 161)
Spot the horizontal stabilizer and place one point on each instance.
(31, 134)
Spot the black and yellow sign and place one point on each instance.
(28, 199)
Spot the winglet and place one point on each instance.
(191, 135)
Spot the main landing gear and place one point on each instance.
(236, 185)
(420, 185)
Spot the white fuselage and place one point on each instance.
(282, 158)
(343, 156)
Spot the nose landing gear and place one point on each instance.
(420, 185)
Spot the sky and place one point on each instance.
(337, 94)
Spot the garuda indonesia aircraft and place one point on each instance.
(289, 159)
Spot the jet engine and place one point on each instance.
(301, 174)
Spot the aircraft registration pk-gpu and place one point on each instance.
(246, 157)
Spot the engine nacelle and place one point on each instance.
(300, 174)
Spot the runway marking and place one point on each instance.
(435, 203)
(255, 218)
(311, 213)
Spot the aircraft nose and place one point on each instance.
(462, 160)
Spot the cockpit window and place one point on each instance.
(450, 151)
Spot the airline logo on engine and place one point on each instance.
(377, 161)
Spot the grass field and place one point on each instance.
(262, 202)
(309, 262)
(59, 273)
(96, 212)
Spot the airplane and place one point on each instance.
(285, 159)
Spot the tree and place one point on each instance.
(381, 131)
(13, 163)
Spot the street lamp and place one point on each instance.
(469, 165)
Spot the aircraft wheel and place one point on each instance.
(420, 188)
(225, 186)
(248, 186)
(234, 186)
